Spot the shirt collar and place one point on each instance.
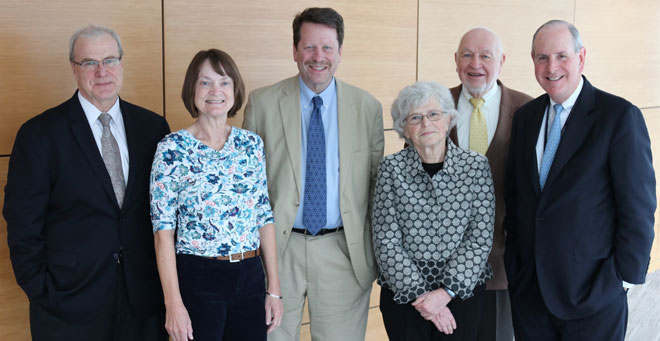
(487, 96)
(306, 94)
(414, 162)
(570, 102)
(92, 112)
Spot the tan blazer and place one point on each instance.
(274, 113)
(497, 154)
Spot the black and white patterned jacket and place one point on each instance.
(433, 232)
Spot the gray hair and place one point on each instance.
(577, 40)
(93, 31)
(416, 95)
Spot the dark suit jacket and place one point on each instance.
(64, 226)
(497, 154)
(592, 225)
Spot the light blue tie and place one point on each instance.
(314, 209)
(551, 146)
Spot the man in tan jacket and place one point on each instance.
(323, 141)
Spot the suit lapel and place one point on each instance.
(290, 111)
(455, 93)
(346, 123)
(532, 129)
(131, 127)
(503, 130)
(83, 135)
(576, 129)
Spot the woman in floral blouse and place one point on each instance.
(433, 216)
(209, 190)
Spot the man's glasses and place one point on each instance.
(90, 64)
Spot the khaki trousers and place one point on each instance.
(319, 268)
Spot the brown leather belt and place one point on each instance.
(237, 257)
(320, 233)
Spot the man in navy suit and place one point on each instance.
(78, 222)
(580, 200)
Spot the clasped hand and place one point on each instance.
(432, 305)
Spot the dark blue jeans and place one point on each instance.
(225, 300)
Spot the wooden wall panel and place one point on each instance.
(442, 23)
(388, 44)
(623, 49)
(393, 143)
(14, 323)
(36, 74)
(378, 52)
(652, 117)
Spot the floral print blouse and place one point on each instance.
(433, 232)
(216, 200)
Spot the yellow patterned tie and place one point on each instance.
(478, 129)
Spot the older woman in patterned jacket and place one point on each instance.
(433, 216)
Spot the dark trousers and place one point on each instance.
(533, 321)
(496, 324)
(404, 323)
(225, 301)
(115, 322)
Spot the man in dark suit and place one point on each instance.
(479, 59)
(580, 200)
(77, 206)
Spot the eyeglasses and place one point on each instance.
(90, 64)
(416, 119)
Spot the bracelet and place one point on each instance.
(450, 293)
(273, 295)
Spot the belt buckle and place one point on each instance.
(231, 260)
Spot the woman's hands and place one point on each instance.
(274, 311)
(444, 321)
(432, 305)
(177, 323)
(274, 306)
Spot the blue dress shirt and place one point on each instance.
(329, 115)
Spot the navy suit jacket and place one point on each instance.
(592, 225)
(64, 226)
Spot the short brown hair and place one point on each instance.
(325, 16)
(224, 65)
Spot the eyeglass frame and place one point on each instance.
(98, 62)
(440, 116)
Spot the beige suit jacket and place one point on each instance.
(274, 113)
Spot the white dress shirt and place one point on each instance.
(490, 109)
(116, 127)
(547, 121)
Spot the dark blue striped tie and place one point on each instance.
(314, 209)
